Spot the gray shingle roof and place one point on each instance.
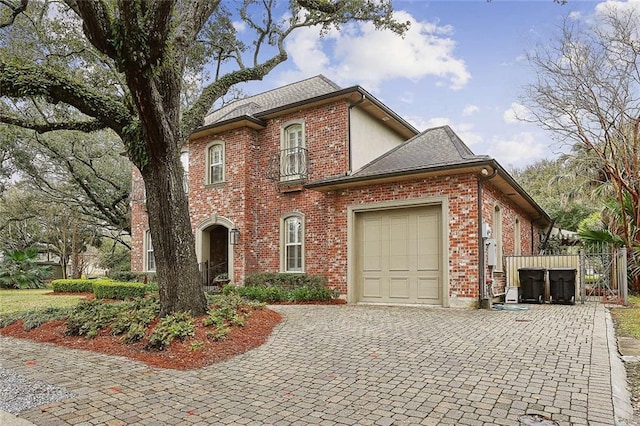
(434, 148)
(281, 96)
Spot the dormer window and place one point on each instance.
(215, 163)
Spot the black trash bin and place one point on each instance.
(562, 285)
(531, 285)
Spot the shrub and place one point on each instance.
(312, 293)
(72, 286)
(118, 290)
(283, 281)
(19, 269)
(37, 317)
(133, 276)
(91, 316)
(272, 287)
(179, 325)
(262, 294)
(136, 315)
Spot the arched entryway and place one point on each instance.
(215, 254)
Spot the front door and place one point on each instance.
(218, 251)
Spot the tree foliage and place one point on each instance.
(587, 93)
(565, 196)
(90, 65)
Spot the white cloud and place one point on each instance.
(359, 54)
(470, 110)
(516, 113)
(240, 26)
(574, 16)
(518, 149)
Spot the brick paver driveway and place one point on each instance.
(354, 365)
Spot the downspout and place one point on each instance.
(483, 301)
(361, 100)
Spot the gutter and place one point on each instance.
(483, 301)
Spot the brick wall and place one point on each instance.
(255, 204)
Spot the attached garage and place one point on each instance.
(398, 255)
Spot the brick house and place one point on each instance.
(314, 178)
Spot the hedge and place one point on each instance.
(284, 281)
(72, 285)
(272, 287)
(118, 290)
(133, 276)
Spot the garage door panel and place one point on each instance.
(399, 288)
(429, 288)
(399, 255)
(428, 244)
(372, 250)
(399, 242)
(372, 288)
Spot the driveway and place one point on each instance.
(358, 365)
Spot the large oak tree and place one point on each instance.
(123, 66)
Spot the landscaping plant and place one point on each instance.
(19, 269)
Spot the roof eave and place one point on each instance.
(223, 126)
(519, 197)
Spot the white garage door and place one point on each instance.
(399, 256)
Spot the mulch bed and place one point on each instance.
(193, 353)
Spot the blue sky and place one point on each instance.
(462, 63)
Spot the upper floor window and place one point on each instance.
(215, 163)
(184, 159)
(292, 251)
(150, 260)
(293, 164)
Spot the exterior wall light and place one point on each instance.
(234, 237)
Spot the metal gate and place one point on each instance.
(601, 274)
(604, 276)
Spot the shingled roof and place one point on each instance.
(281, 96)
(432, 149)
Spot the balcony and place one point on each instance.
(289, 166)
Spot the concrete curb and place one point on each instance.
(622, 408)
(12, 420)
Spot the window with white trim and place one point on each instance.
(184, 159)
(215, 163)
(292, 243)
(292, 159)
(150, 260)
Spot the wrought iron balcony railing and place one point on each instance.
(291, 164)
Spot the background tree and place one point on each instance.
(125, 70)
(564, 195)
(29, 221)
(80, 171)
(587, 94)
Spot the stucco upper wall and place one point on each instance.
(369, 138)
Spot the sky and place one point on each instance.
(462, 63)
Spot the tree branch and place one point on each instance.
(97, 25)
(83, 126)
(16, 9)
(26, 81)
(194, 117)
(324, 6)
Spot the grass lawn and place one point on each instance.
(628, 319)
(26, 300)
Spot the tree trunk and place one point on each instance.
(180, 287)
